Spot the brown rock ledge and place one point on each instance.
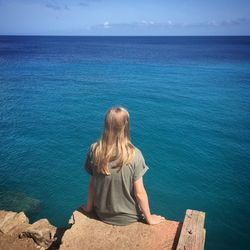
(87, 232)
(17, 234)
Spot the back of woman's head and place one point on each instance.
(114, 143)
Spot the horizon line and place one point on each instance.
(129, 35)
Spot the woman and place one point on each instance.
(116, 192)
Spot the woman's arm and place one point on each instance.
(89, 207)
(142, 199)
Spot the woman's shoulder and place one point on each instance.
(137, 150)
(138, 154)
(140, 167)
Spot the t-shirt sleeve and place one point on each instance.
(140, 167)
(88, 165)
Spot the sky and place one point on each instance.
(125, 17)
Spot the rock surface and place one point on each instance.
(12, 223)
(87, 232)
(42, 232)
(16, 232)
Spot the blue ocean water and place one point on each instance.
(189, 102)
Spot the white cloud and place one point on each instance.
(144, 22)
(55, 6)
(106, 25)
(166, 26)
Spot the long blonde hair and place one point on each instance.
(115, 143)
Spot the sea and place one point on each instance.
(189, 105)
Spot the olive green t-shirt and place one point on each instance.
(114, 199)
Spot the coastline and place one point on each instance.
(17, 234)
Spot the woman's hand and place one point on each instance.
(85, 208)
(155, 219)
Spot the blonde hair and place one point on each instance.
(114, 143)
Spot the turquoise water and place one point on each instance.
(189, 102)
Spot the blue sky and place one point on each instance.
(127, 17)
